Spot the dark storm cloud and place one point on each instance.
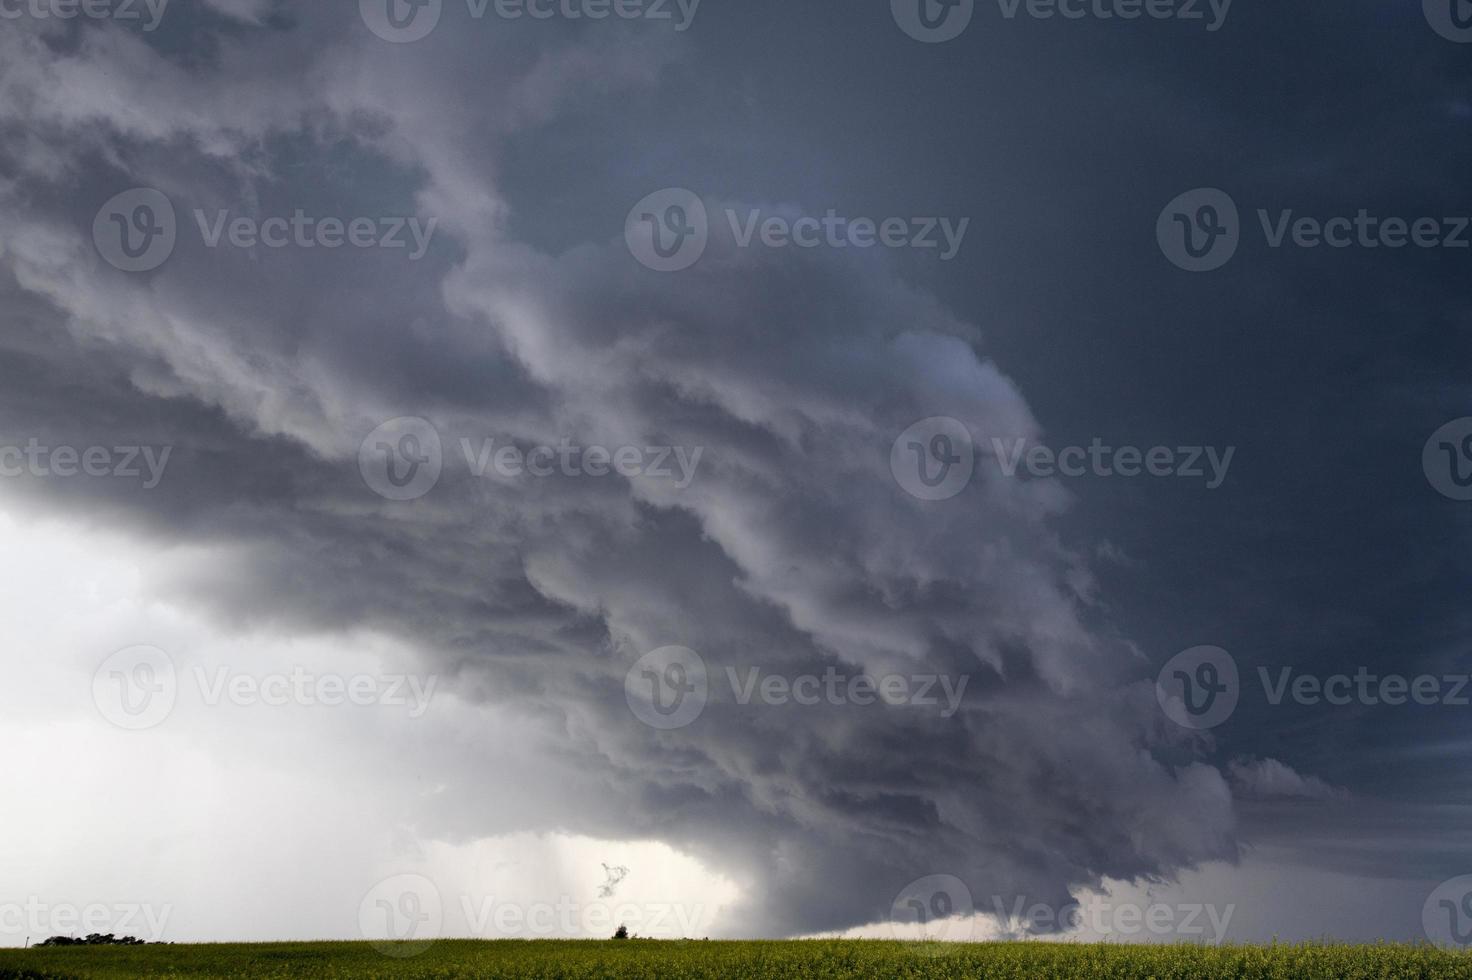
(793, 551)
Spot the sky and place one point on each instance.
(904, 469)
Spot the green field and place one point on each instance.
(688, 960)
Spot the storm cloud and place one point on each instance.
(791, 548)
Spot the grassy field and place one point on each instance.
(634, 959)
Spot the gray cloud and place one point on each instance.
(1269, 779)
(794, 551)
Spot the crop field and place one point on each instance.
(634, 959)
